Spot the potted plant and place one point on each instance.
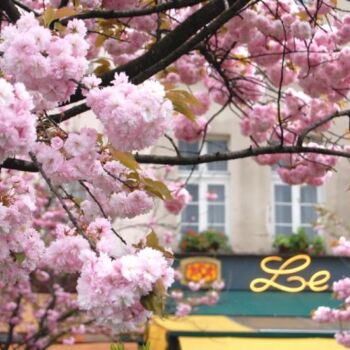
(209, 241)
(299, 242)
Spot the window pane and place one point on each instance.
(219, 191)
(186, 228)
(308, 194)
(190, 214)
(309, 230)
(188, 149)
(283, 230)
(283, 214)
(283, 193)
(213, 147)
(308, 214)
(193, 190)
(216, 214)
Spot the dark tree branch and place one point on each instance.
(219, 156)
(176, 39)
(63, 3)
(69, 113)
(19, 164)
(178, 42)
(185, 47)
(320, 122)
(10, 9)
(165, 47)
(175, 4)
(25, 7)
(241, 154)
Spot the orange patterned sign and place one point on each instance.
(200, 268)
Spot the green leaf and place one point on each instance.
(127, 159)
(51, 14)
(153, 302)
(103, 66)
(146, 346)
(118, 346)
(182, 100)
(158, 188)
(152, 241)
(19, 257)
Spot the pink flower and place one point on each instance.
(323, 314)
(181, 198)
(183, 310)
(56, 143)
(188, 130)
(134, 117)
(63, 254)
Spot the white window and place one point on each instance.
(208, 186)
(294, 207)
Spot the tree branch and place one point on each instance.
(10, 9)
(241, 154)
(186, 46)
(26, 8)
(168, 44)
(320, 122)
(19, 164)
(175, 4)
(60, 199)
(175, 39)
(215, 157)
(168, 49)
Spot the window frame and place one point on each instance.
(295, 203)
(203, 177)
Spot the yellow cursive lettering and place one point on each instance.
(316, 283)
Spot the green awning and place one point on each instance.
(246, 303)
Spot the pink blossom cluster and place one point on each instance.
(259, 121)
(70, 159)
(62, 255)
(120, 4)
(341, 291)
(342, 247)
(241, 77)
(190, 68)
(312, 60)
(188, 130)
(180, 198)
(107, 186)
(186, 302)
(48, 214)
(21, 247)
(136, 276)
(312, 169)
(91, 4)
(17, 123)
(48, 65)
(341, 288)
(203, 105)
(130, 45)
(133, 116)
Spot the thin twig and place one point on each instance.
(59, 197)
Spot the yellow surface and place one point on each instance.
(192, 343)
(92, 346)
(159, 327)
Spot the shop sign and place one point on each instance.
(286, 275)
(200, 268)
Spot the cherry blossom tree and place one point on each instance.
(281, 66)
